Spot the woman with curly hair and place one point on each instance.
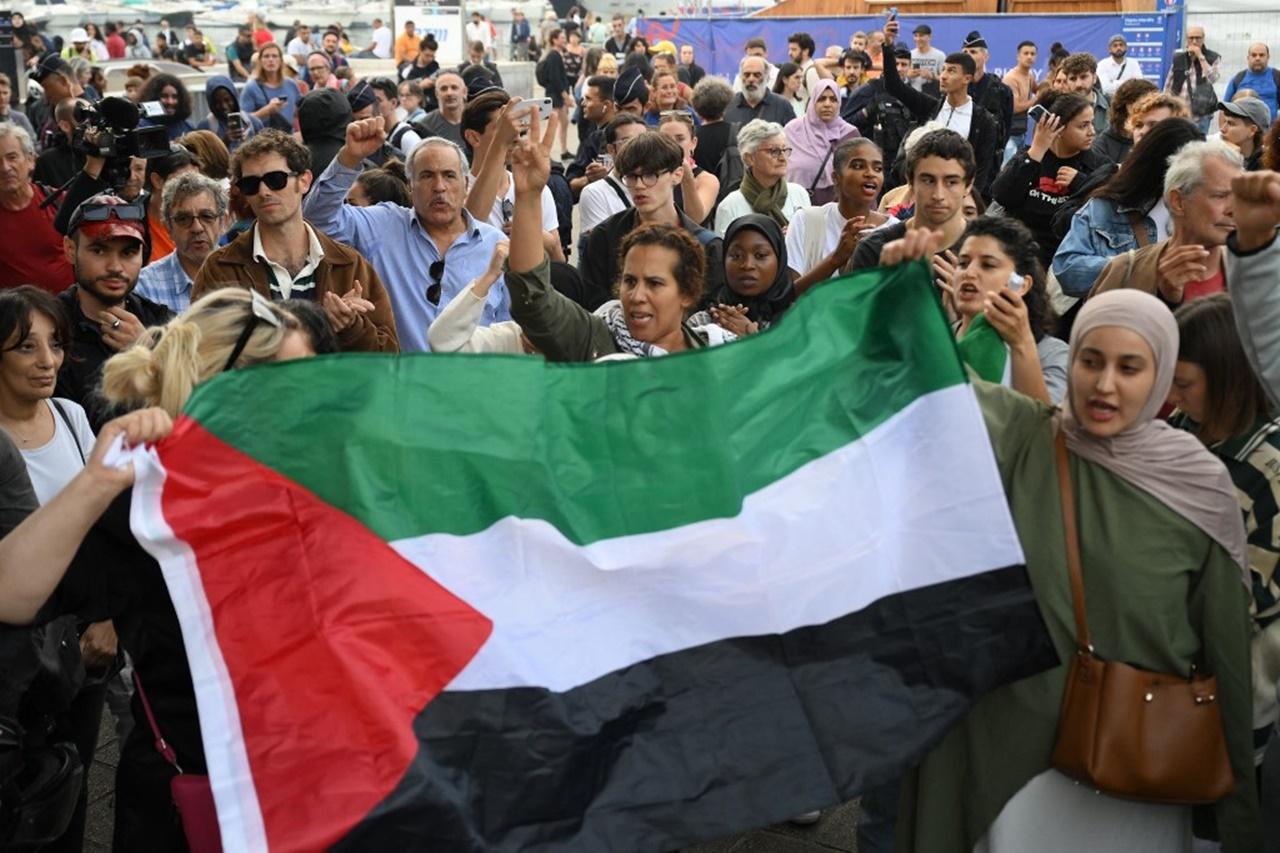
(174, 99)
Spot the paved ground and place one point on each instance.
(102, 782)
(833, 833)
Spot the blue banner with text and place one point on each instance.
(718, 42)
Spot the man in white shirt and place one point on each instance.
(608, 196)
(302, 45)
(800, 50)
(379, 42)
(926, 60)
(489, 132)
(478, 30)
(1116, 68)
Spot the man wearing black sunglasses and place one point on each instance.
(105, 237)
(282, 257)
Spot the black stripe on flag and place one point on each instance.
(721, 738)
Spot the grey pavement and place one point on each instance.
(835, 832)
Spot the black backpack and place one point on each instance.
(540, 72)
(891, 122)
(728, 168)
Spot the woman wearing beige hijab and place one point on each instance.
(1162, 551)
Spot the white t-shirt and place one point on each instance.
(734, 205)
(382, 42)
(301, 49)
(479, 32)
(599, 201)
(802, 254)
(550, 218)
(52, 466)
(958, 118)
(930, 60)
(1111, 73)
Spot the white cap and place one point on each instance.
(79, 35)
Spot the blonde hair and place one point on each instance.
(169, 361)
(608, 65)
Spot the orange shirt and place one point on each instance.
(161, 242)
(407, 47)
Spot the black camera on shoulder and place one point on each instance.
(110, 130)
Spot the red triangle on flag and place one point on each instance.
(333, 642)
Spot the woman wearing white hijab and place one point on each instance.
(1162, 552)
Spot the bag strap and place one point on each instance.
(62, 413)
(1138, 223)
(162, 746)
(621, 193)
(1067, 496)
(818, 175)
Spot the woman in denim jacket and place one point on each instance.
(1104, 227)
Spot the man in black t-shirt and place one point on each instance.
(941, 169)
(619, 42)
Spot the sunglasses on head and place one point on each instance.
(250, 184)
(436, 271)
(260, 311)
(132, 212)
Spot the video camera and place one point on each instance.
(110, 130)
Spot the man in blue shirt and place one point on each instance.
(427, 254)
(194, 209)
(1259, 76)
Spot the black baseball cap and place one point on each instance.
(50, 63)
(923, 30)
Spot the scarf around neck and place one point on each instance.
(767, 201)
(611, 313)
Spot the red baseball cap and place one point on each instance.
(105, 216)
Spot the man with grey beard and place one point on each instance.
(755, 100)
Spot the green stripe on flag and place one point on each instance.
(985, 351)
(420, 444)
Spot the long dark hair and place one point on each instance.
(1207, 337)
(1140, 181)
(1020, 245)
(155, 85)
(785, 70)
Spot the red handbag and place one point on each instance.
(191, 793)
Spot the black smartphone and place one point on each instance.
(1037, 112)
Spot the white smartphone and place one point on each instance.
(525, 107)
(1015, 282)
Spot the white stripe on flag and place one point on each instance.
(916, 502)
(239, 815)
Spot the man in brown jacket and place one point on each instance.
(283, 257)
(1188, 265)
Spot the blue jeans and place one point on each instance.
(877, 816)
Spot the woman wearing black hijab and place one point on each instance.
(757, 286)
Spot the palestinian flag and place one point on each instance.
(985, 352)
(486, 603)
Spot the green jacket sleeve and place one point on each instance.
(1219, 609)
(560, 328)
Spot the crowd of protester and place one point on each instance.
(1117, 233)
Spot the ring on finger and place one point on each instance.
(115, 324)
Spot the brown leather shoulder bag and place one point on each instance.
(1130, 732)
